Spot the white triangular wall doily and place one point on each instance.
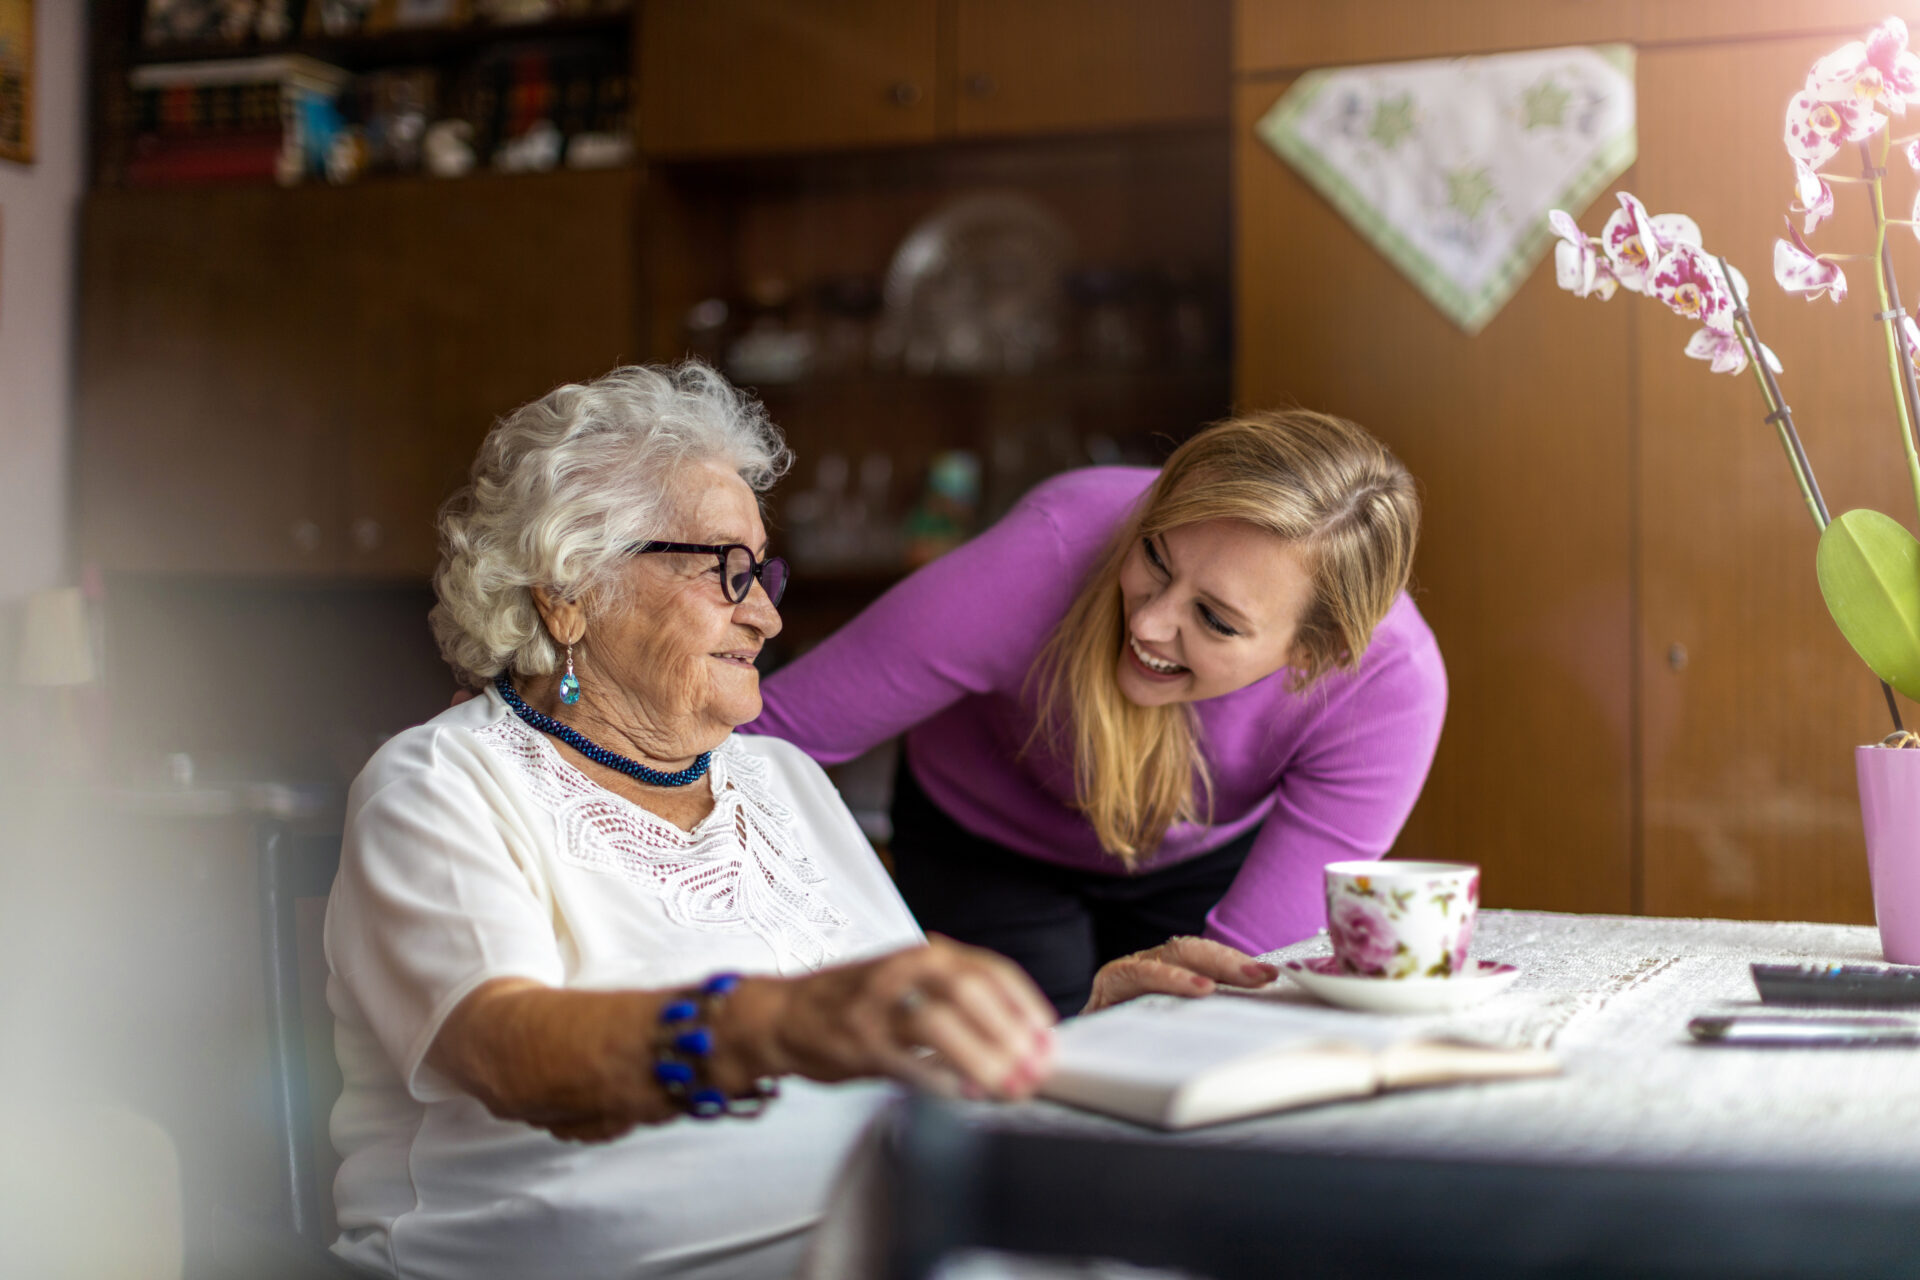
(1449, 166)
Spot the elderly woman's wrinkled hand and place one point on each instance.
(989, 1028)
(1177, 967)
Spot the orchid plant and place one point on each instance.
(1868, 564)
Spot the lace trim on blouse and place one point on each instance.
(741, 868)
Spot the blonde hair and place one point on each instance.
(563, 486)
(1317, 481)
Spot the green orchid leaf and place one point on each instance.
(1869, 569)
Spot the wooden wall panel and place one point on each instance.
(1750, 800)
(1673, 20)
(1521, 440)
(1291, 35)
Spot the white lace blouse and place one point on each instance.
(475, 851)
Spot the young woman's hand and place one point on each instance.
(987, 1026)
(1177, 967)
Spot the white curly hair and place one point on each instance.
(563, 486)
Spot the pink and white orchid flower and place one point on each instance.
(1815, 196)
(1635, 242)
(1877, 72)
(1576, 264)
(1910, 333)
(1689, 282)
(1799, 270)
(1726, 351)
(1817, 128)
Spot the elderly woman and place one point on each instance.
(576, 911)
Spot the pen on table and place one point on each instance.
(1804, 1029)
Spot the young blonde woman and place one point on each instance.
(1145, 703)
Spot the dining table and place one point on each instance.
(1648, 1154)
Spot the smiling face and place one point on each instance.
(679, 653)
(1208, 608)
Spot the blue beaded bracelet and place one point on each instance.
(683, 1051)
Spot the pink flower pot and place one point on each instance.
(1890, 810)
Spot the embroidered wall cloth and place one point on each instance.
(1449, 166)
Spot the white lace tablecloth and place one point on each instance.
(1612, 995)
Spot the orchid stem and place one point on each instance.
(1899, 358)
(1777, 411)
(1782, 418)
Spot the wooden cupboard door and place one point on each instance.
(1521, 440)
(1292, 35)
(741, 76)
(209, 366)
(1036, 66)
(470, 299)
(1753, 701)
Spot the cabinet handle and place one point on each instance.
(1677, 656)
(366, 534)
(306, 536)
(903, 93)
(982, 86)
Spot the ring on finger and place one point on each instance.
(909, 1002)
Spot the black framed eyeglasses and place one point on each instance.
(738, 566)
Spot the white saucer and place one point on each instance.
(1403, 995)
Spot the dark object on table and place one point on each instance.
(1883, 986)
(1804, 1030)
(1234, 1212)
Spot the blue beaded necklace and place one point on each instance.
(600, 755)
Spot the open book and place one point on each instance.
(1177, 1064)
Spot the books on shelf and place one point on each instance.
(230, 118)
(1178, 1064)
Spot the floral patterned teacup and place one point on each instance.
(1402, 919)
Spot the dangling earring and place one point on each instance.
(569, 683)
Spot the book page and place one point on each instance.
(1175, 1063)
(1167, 1040)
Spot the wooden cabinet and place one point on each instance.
(725, 77)
(1030, 66)
(209, 322)
(1292, 35)
(1650, 708)
(290, 382)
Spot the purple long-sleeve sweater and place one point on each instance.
(944, 656)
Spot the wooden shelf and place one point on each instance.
(1068, 380)
(394, 48)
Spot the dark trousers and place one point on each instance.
(1057, 923)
